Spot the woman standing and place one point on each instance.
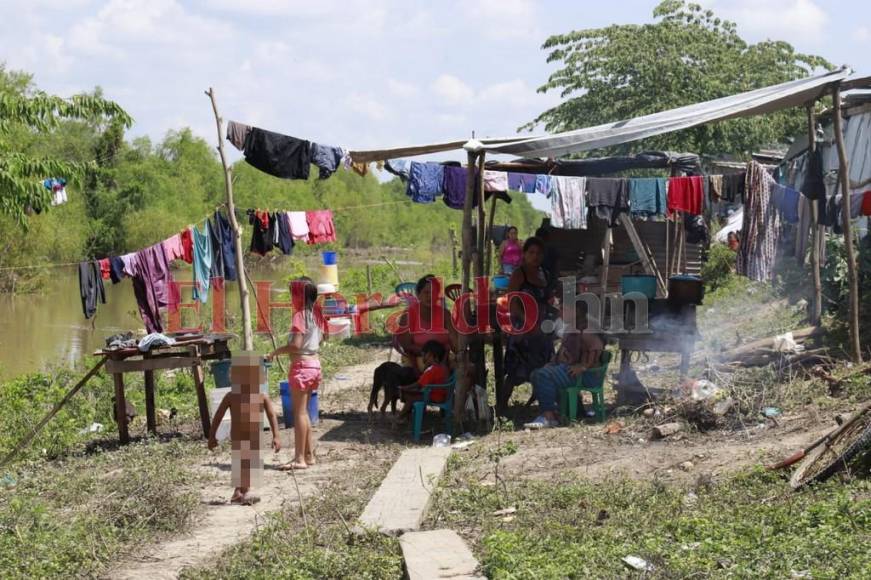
(510, 252)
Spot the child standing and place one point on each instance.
(304, 376)
(510, 252)
(436, 373)
(245, 402)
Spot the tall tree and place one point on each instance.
(28, 110)
(686, 56)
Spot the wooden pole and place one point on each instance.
(606, 265)
(480, 221)
(58, 406)
(855, 349)
(247, 334)
(369, 279)
(488, 239)
(463, 339)
(817, 302)
(454, 252)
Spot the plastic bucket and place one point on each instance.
(644, 283)
(500, 282)
(339, 328)
(329, 258)
(215, 398)
(329, 274)
(221, 373)
(287, 405)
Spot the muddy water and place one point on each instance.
(49, 329)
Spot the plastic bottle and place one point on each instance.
(441, 440)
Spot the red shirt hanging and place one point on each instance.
(866, 203)
(320, 226)
(105, 269)
(187, 244)
(685, 194)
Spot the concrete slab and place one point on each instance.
(438, 554)
(401, 501)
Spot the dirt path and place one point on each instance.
(342, 444)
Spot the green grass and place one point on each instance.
(283, 547)
(78, 516)
(749, 526)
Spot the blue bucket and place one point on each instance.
(221, 373)
(501, 282)
(329, 258)
(287, 405)
(644, 283)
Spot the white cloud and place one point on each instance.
(516, 93)
(453, 90)
(502, 19)
(367, 105)
(792, 20)
(402, 89)
(862, 34)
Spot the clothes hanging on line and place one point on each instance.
(187, 245)
(568, 210)
(522, 182)
(217, 268)
(321, 227)
(327, 159)
(262, 234)
(733, 187)
(608, 197)
(647, 196)
(786, 201)
(224, 232)
(202, 262)
(685, 194)
(495, 181)
(760, 228)
(116, 269)
(237, 133)
(542, 184)
(173, 248)
(425, 181)
(455, 186)
(866, 203)
(153, 286)
(278, 155)
(298, 225)
(91, 287)
(398, 167)
(105, 269)
(57, 187)
(285, 238)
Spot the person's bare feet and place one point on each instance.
(293, 466)
(237, 496)
(310, 460)
(248, 499)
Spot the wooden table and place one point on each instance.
(188, 352)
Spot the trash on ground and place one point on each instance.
(92, 428)
(441, 440)
(665, 430)
(505, 511)
(613, 427)
(771, 412)
(341, 377)
(637, 563)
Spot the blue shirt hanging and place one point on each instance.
(425, 181)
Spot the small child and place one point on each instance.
(304, 376)
(510, 252)
(436, 373)
(245, 402)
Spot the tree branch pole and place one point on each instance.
(488, 239)
(844, 177)
(247, 334)
(463, 339)
(817, 302)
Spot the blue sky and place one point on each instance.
(354, 73)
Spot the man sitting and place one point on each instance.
(578, 352)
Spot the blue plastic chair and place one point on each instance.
(406, 289)
(418, 409)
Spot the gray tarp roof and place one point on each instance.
(756, 102)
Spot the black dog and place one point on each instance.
(389, 376)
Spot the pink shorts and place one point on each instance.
(305, 375)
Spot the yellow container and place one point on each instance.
(329, 275)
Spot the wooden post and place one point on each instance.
(150, 411)
(606, 265)
(121, 409)
(463, 354)
(247, 334)
(817, 301)
(453, 252)
(855, 349)
(476, 350)
(200, 385)
(488, 238)
(369, 279)
(479, 222)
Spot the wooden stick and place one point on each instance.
(852, 274)
(488, 239)
(817, 301)
(58, 406)
(665, 430)
(463, 339)
(606, 264)
(248, 335)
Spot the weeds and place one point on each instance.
(75, 517)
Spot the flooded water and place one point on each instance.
(47, 329)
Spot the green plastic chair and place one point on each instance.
(593, 380)
(418, 409)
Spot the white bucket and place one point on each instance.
(217, 395)
(340, 328)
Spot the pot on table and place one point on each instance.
(685, 289)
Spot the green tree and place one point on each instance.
(688, 55)
(26, 110)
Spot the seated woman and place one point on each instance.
(427, 323)
(578, 352)
(532, 349)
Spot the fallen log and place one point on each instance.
(665, 430)
(767, 344)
